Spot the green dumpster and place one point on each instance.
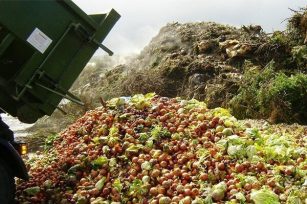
(44, 45)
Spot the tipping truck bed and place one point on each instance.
(44, 45)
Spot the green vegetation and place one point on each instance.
(49, 141)
(266, 93)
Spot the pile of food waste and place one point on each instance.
(158, 150)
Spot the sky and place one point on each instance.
(141, 20)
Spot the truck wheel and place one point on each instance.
(7, 185)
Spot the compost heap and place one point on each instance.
(253, 73)
(152, 149)
(246, 70)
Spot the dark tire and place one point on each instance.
(7, 184)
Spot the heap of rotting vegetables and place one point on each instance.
(152, 149)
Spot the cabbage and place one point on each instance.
(297, 196)
(277, 152)
(114, 131)
(32, 190)
(146, 166)
(264, 196)
(251, 151)
(143, 137)
(99, 200)
(222, 144)
(237, 151)
(202, 154)
(220, 112)
(117, 185)
(236, 140)
(253, 132)
(198, 200)
(277, 147)
(159, 132)
(100, 161)
(220, 186)
(136, 188)
(140, 101)
(193, 103)
(115, 102)
(134, 148)
(239, 196)
(294, 200)
(112, 162)
(235, 145)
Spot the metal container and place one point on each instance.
(44, 45)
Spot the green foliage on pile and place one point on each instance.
(268, 93)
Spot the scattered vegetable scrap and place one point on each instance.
(158, 150)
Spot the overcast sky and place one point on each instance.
(142, 19)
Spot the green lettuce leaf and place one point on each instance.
(117, 185)
(32, 190)
(140, 101)
(100, 161)
(264, 196)
(99, 185)
(115, 102)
